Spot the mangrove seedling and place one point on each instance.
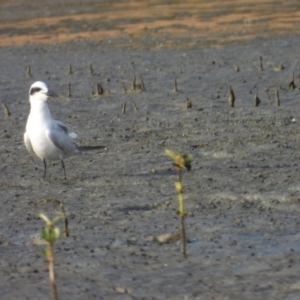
(50, 234)
(181, 162)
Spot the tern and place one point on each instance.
(45, 137)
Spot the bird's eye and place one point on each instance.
(34, 90)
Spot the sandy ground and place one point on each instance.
(242, 194)
(146, 24)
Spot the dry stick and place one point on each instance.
(70, 71)
(231, 98)
(277, 98)
(189, 103)
(260, 68)
(69, 90)
(124, 108)
(28, 73)
(6, 110)
(91, 70)
(134, 83)
(124, 88)
(268, 96)
(66, 222)
(175, 90)
(134, 106)
(142, 84)
(292, 83)
(256, 100)
(99, 89)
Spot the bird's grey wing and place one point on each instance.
(28, 143)
(60, 138)
(65, 128)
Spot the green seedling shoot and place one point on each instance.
(181, 162)
(50, 234)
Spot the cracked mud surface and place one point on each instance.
(242, 194)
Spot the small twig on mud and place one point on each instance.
(124, 108)
(188, 103)
(256, 100)
(66, 222)
(99, 89)
(175, 90)
(6, 110)
(134, 106)
(231, 98)
(70, 71)
(142, 84)
(124, 88)
(268, 96)
(134, 83)
(277, 98)
(292, 83)
(260, 67)
(69, 90)
(91, 69)
(29, 73)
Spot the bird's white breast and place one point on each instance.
(39, 121)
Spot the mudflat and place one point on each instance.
(242, 194)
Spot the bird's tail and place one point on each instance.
(90, 148)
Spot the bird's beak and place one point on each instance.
(51, 94)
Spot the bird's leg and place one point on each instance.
(63, 166)
(45, 167)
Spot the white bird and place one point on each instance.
(45, 137)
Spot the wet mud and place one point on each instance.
(242, 194)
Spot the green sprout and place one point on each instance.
(50, 234)
(181, 162)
